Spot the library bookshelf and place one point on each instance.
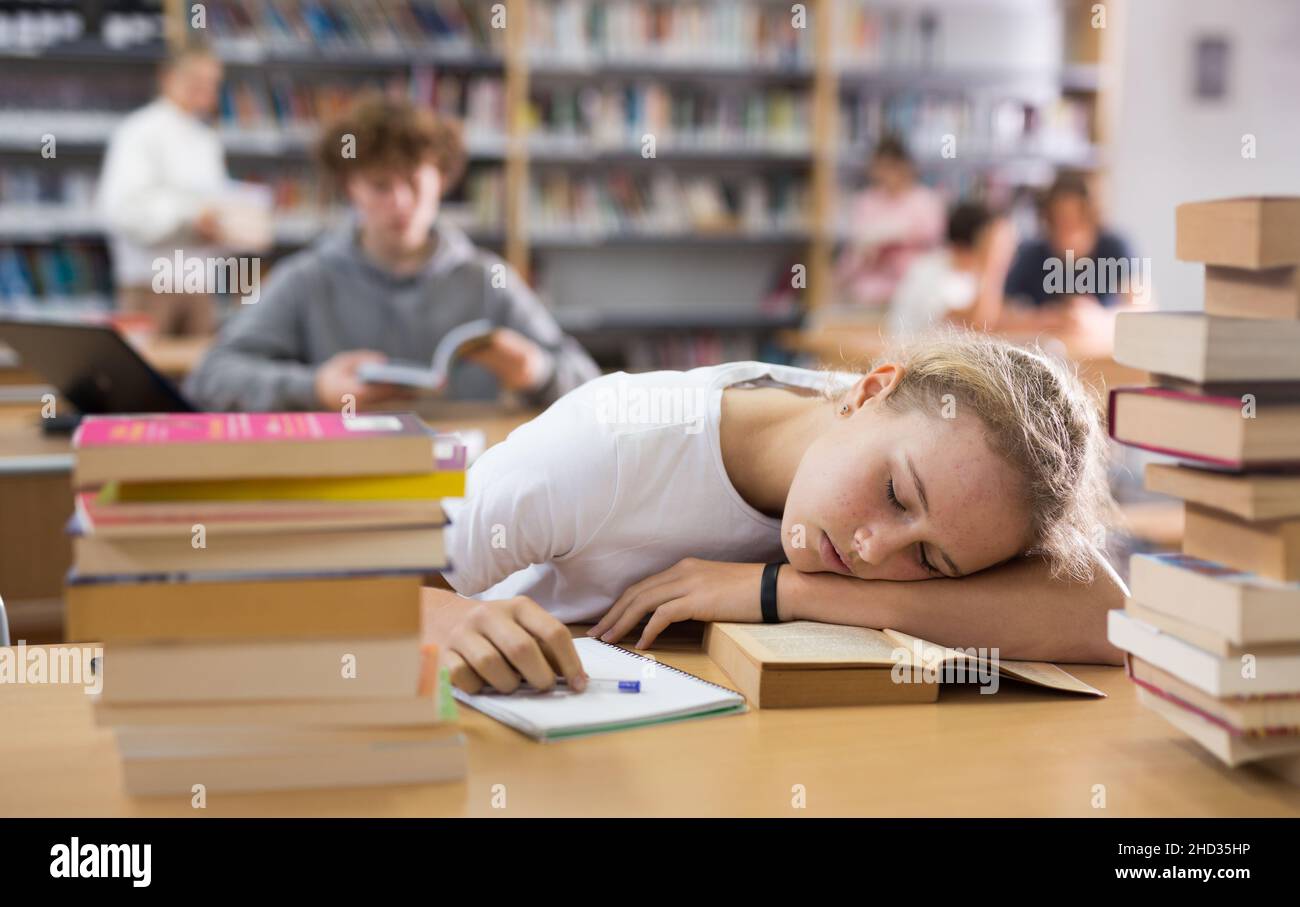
(760, 115)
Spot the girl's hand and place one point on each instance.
(691, 589)
(505, 643)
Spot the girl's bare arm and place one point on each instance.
(1017, 608)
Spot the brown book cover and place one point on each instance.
(1208, 429)
(1250, 232)
(1251, 496)
(262, 670)
(1269, 293)
(406, 548)
(1270, 548)
(292, 608)
(806, 664)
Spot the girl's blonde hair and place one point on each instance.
(1039, 417)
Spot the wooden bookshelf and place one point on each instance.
(821, 76)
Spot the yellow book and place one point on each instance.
(441, 484)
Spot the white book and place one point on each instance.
(1245, 608)
(457, 342)
(1208, 672)
(261, 670)
(667, 694)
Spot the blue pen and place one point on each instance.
(614, 684)
(608, 683)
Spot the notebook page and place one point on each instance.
(665, 694)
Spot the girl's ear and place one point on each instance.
(876, 385)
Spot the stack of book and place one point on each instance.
(254, 579)
(1213, 634)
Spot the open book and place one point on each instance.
(804, 663)
(667, 694)
(459, 341)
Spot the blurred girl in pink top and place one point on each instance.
(890, 222)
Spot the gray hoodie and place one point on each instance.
(330, 298)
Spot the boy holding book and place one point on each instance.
(389, 283)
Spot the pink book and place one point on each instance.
(180, 446)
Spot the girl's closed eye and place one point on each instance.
(893, 498)
(928, 567)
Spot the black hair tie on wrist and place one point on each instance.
(767, 593)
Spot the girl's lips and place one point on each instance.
(831, 557)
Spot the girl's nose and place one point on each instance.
(874, 547)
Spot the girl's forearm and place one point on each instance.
(1016, 608)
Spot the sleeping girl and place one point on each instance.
(955, 491)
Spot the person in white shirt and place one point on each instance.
(639, 496)
(163, 173)
(960, 282)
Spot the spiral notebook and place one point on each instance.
(667, 694)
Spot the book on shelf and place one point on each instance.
(1243, 608)
(189, 446)
(1251, 232)
(805, 664)
(663, 34)
(665, 204)
(1206, 429)
(1206, 349)
(286, 108)
(1251, 496)
(1269, 548)
(243, 607)
(682, 118)
(241, 30)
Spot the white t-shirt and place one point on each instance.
(161, 168)
(930, 289)
(618, 480)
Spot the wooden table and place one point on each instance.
(1020, 752)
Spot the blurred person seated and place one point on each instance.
(389, 282)
(164, 172)
(960, 282)
(1043, 294)
(893, 220)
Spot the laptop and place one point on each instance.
(91, 365)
